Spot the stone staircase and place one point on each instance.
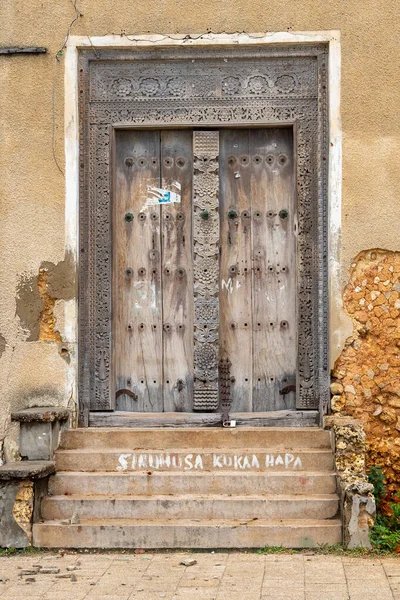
(191, 488)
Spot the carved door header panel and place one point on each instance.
(197, 87)
(185, 80)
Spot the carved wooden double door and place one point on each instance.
(204, 267)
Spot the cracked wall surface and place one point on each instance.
(366, 376)
(39, 352)
(33, 362)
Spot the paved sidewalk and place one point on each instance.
(215, 576)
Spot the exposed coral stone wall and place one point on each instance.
(366, 376)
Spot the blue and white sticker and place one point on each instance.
(158, 196)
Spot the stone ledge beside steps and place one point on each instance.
(27, 469)
(41, 414)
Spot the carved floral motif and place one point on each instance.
(231, 85)
(285, 83)
(257, 84)
(122, 87)
(149, 86)
(176, 86)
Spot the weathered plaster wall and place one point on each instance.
(367, 374)
(32, 364)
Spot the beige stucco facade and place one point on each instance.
(36, 272)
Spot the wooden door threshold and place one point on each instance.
(281, 418)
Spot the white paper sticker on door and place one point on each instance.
(163, 195)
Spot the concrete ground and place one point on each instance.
(214, 576)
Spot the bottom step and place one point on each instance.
(121, 533)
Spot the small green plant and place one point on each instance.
(377, 478)
(15, 551)
(385, 534)
(274, 550)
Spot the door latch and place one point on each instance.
(287, 389)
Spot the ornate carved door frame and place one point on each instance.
(202, 87)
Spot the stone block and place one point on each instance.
(358, 517)
(38, 441)
(40, 431)
(22, 486)
(12, 534)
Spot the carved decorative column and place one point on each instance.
(206, 269)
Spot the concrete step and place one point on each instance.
(244, 460)
(188, 438)
(193, 482)
(190, 506)
(113, 533)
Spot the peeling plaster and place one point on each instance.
(61, 280)
(2, 344)
(37, 295)
(29, 305)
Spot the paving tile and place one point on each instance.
(195, 594)
(327, 596)
(63, 595)
(239, 596)
(359, 560)
(288, 595)
(166, 595)
(392, 570)
(370, 595)
(199, 582)
(25, 597)
(94, 595)
(284, 572)
(290, 558)
(233, 576)
(239, 585)
(244, 575)
(366, 591)
(251, 558)
(290, 590)
(102, 590)
(372, 584)
(66, 584)
(394, 583)
(333, 578)
(364, 571)
(154, 587)
(325, 587)
(283, 584)
(27, 590)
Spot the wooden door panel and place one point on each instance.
(177, 272)
(170, 317)
(236, 322)
(258, 329)
(137, 313)
(274, 268)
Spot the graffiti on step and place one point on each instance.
(214, 461)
